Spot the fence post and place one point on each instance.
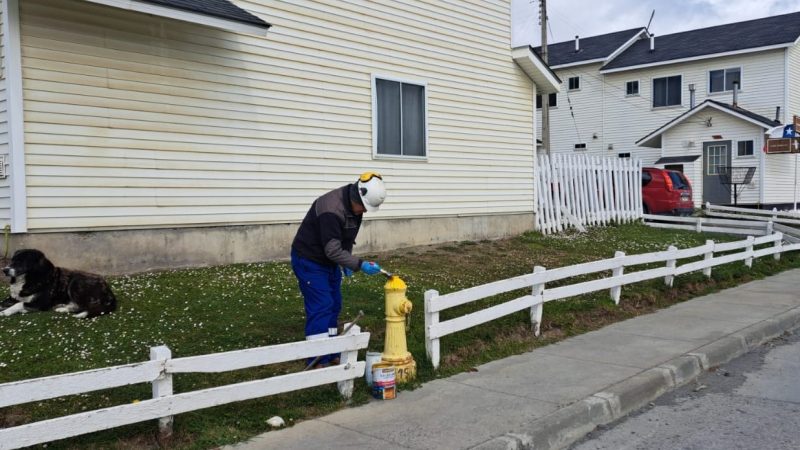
(708, 255)
(698, 227)
(749, 249)
(431, 320)
(348, 359)
(617, 272)
(162, 387)
(536, 310)
(775, 216)
(778, 246)
(671, 263)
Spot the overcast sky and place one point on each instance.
(592, 17)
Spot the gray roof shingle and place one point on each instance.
(593, 47)
(775, 30)
(737, 109)
(222, 9)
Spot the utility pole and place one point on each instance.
(545, 98)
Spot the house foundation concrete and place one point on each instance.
(116, 252)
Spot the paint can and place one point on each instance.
(372, 359)
(383, 381)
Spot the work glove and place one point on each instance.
(370, 267)
(346, 271)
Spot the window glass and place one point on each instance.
(677, 180)
(733, 76)
(574, 83)
(401, 118)
(717, 158)
(667, 91)
(551, 101)
(722, 80)
(632, 88)
(388, 117)
(717, 80)
(745, 148)
(646, 178)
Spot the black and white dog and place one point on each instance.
(38, 285)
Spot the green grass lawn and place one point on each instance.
(200, 311)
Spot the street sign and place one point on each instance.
(785, 145)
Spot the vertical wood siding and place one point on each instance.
(133, 120)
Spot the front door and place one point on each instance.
(716, 155)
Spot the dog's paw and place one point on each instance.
(63, 309)
(81, 315)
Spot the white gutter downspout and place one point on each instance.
(16, 125)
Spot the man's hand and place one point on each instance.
(370, 267)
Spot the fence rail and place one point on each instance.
(757, 227)
(713, 254)
(165, 403)
(782, 217)
(581, 190)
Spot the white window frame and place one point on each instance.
(577, 77)
(751, 156)
(713, 163)
(724, 75)
(653, 91)
(638, 88)
(375, 154)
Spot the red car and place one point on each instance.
(666, 192)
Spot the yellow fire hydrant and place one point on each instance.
(395, 350)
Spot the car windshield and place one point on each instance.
(678, 180)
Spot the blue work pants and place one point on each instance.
(321, 286)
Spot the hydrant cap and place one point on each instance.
(395, 284)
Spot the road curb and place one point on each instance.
(567, 425)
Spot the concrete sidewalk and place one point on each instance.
(552, 396)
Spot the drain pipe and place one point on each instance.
(735, 94)
(691, 96)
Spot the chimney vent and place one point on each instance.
(691, 96)
(735, 94)
(652, 42)
(577, 44)
(778, 114)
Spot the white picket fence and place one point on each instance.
(165, 404)
(581, 190)
(540, 294)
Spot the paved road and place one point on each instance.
(752, 402)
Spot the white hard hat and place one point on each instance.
(371, 190)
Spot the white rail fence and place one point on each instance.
(712, 225)
(581, 190)
(165, 404)
(540, 294)
(782, 217)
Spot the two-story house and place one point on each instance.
(144, 134)
(669, 100)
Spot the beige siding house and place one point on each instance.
(629, 92)
(159, 135)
